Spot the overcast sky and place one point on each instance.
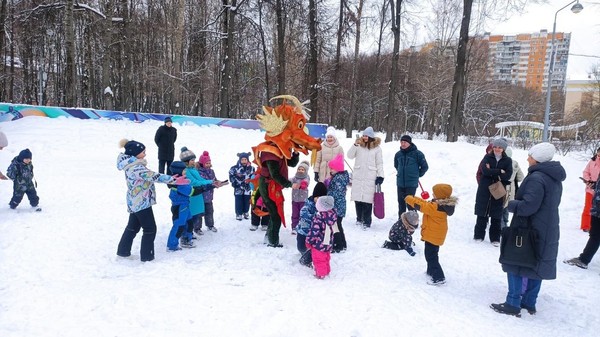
(584, 28)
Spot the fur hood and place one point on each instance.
(451, 201)
(374, 144)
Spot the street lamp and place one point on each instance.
(575, 9)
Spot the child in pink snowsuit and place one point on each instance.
(320, 236)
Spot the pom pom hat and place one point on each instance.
(330, 132)
(132, 148)
(186, 155)
(542, 152)
(337, 163)
(204, 158)
(25, 154)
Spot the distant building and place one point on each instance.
(524, 59)
(579, 94)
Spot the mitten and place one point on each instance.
(378, 180)
(413, 253)
(181, 181)
(303, 185)
(317, 176)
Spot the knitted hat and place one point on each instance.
(177, 167)
(330, 132)
(3, 140)
(369, 132)
(442, 191)
(337, 163)
(410, 218)
(132, 148)
(542, 152)
(186, 155)
(508, 151)
(244, 155)
(204, 158)
(305, 164)
(168, 120)
(500, 142)
(319, 190)
(324, 203)
(406, 138)
(25, 154)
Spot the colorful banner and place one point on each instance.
(10, 112)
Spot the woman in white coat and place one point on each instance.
(329, 150)
(368, 172)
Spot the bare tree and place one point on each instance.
(396, 9)
(313, 60)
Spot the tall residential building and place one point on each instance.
(524, 59)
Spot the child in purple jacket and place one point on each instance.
(300, 182)
(320, 236)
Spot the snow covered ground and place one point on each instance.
(59, 275)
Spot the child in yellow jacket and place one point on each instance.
(434, 226)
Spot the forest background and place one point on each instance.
(355, 61)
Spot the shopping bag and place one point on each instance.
(378, 203)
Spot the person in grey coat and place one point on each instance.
(536, 202)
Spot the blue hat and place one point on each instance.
(168, 120)
(177, 167)
(244, 155)
(134, 148)
(369, 132)
(25, 154)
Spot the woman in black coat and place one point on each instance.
(536, 203)
(494, 166)
(165, 138)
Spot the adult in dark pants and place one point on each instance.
(165, 138)
(494, 166)
(593, 242)
(410, 165)
(536, 202)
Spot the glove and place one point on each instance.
(378, 180)
(413, 253)
(317, 176)
(181, 181)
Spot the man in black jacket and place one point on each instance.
(165, 138)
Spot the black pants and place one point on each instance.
(363, 212)
(143, 219)
(274, 218)
(161, 166)
(434, 269)
(402, 193)
(339, 239)
(480, 226)
(593, 242)
(34, 200)
(256, 220)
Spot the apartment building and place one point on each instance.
(524, 59)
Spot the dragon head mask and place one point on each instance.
(285, 125)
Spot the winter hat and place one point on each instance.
(406, 138)
(330, 132)
(369, 132)
(325, 203)
(204, 158)
(25, 154)
(186, 155)
(168, 120)
(500, 142)
(508, 151)
(442, 191)
(132, 148)
(337, 163)
(319, 190)
(177, 167)
(244, 155)
(304, 164)
(542, 152)
(410, 219)
(3, 140)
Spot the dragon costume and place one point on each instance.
(286, 136)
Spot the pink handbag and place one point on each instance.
(378, 203)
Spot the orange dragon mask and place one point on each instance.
(285, 125)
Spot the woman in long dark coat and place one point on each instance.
(536, 202)
(494, 166)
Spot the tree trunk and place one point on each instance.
(313, 60)
(393, 86)
(280, 12)
(2, 54)
(70, 70)
(333, 113)
(177, 80)
(264, 50)
(459, 87)
(227, 47)
(107, 95)
(354, 75)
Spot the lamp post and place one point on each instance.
(575, 9)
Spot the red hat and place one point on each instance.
(337, 163)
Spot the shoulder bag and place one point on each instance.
(519, 244)
(497, 189)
